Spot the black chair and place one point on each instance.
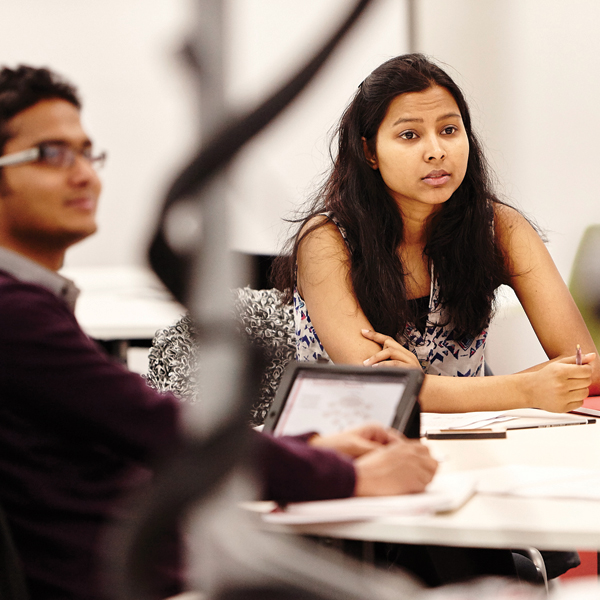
(12, 577)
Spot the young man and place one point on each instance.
(78, 431)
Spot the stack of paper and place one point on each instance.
(521, 418)
(470, 420)
(446, 492)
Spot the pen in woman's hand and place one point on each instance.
(578, 355)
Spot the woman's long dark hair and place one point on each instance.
(467, 261)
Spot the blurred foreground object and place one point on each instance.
(231, 559)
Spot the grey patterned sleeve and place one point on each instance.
(261, 316)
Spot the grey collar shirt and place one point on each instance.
(28, 271)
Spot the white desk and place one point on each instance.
(493, 521)
(122, 302)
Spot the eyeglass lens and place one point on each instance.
(61, 155)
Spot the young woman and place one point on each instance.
(399, 258)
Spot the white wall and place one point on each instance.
(528, 67)
(268, 38)
(139, 103)
(531, 70)
(121, 55)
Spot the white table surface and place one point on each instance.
(496, 521)
(122, 302)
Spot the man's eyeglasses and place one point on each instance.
(53, 154)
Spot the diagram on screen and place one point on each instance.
(331, 405)
(347, 411)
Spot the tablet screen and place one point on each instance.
(329, 402)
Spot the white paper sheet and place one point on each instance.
(446, 492)
(539, 482)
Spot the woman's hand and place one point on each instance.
(561, 385)
(392, 353)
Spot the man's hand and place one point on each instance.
(400, 467)
(358, 441)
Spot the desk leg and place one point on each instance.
(368, 552)
(116, 348)
(356, 549)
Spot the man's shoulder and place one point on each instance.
(26, 296)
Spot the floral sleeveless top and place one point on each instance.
(436, 348)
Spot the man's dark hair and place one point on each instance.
(25, 86)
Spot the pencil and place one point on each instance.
(578, 355)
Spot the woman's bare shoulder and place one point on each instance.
(320, 233)
(506, 216)
(322, 254)
(522, 245)
(511, 226)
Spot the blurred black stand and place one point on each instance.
(259, 266)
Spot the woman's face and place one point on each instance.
(421, 149)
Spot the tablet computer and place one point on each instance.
(329, 398)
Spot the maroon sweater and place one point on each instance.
(78, 431)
